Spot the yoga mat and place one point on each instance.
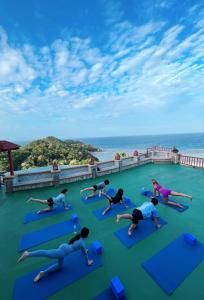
(46, 234)
(116, 209)
(74, 268)
(170, 266)
(110, 192)
(144, 229)
(33, 216)
(160, 199)
(107, 295)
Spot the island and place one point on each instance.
(44, 151)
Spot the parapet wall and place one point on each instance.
(156, 155)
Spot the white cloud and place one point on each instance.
(139, 66)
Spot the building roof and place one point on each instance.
(5, 146)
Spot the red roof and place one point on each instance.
(5, 146)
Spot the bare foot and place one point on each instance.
(117, 219)
(129, 232)
(39, 212)
(23, 257)
(86, 198)
(90, 262)
(39, 276)
(103, 213)
(179, 205)
(190, 197)
(29, 199)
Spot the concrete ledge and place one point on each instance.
(162, 161)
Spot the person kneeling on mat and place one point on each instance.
(58, 200)
(145, 211)
(75, 244)
(167, 192)
(101, 187)
(118, 198)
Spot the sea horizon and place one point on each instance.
(187, 143)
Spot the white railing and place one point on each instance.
(191, 161)
(41, 178)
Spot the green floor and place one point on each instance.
(117, 259)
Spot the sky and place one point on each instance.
(76, 68)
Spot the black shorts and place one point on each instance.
(136, 216)
(114, 200)
(95, 187)
(50, 202)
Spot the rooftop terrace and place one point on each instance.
(117, 259)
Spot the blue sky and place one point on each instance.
(75, 68)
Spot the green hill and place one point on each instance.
(42, 152)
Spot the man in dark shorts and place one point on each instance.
(101, 187)
(145, 211)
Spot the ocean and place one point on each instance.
(191, 144)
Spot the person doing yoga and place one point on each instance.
(58, 200)
(101, 187)
(76, 243)
(118, 198)
(166, 192)
(145, 211)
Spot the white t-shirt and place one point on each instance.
(60, 199)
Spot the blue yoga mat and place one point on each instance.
(74, 268)
(33, 216)
(170, 266)
(110, 192)
(46, 234)
(160, 199)
(107, 295)
(116, 209)
(144, 229)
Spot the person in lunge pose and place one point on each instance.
(76, 243)
(118, 198)
(58, 200)
(146, 210)
(158, 189)
(101, 187)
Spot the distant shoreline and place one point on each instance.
(188, 143)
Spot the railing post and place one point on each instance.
(93, 170)
(55, 176)
(118, 162)
(9, 183)
(175, 158)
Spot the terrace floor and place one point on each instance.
(117, 259)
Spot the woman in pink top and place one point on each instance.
(166, 192)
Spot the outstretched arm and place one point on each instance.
(123, 202)
(65, 205)
(155, 220)
(84, 251)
